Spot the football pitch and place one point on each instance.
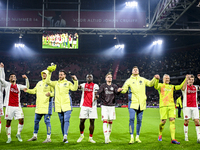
(120, 133)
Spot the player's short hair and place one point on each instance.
(89, 75)
(136, 67)
(63, 71)
(11, 74)
(109, 73)
(192, 76)
(165, 75)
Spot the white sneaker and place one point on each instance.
(48, 140)
(186, 139)
(91, 140)
(80, 138)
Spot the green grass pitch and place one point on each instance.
(119, 136)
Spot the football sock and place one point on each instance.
(0, 126)
(197, 130)
(105, 128)
(161, 127)
(20, 127)
(172, 129)
(186, 130)
(109, 128)
(8, 131)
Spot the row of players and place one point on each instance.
(60, 40)
(135, 86)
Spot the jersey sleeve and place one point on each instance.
(82, 86)
(96, 87)
(125, 87)
(178, 87)
(116, 89)
(73, 87)
(197, 87)
(100, 89)
(157, 85)
(150, 83)
(3, 82)
(32, 91)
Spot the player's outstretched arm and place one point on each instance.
(2, 72)
(153, 81)
(125, 87)
(179, 87)
(3, 82)
(74, 87)
(99, 92)
(185, 84)
(22, 87)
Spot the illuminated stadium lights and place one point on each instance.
(131, 4)
(119, 46)
(19, 45)
(159, 42)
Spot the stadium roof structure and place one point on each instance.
(163, 17)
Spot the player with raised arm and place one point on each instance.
(107, 92)
(43, 105)
(136, 87)
(88, 106)
(167, 105)
(63, 103)
(13, 105)
(190, 106)
(2, 75)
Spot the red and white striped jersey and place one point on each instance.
(190, 96)
(88, 94)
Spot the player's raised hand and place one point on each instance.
(24, 76)
(74, 77)
(1, 65)
(48, 94)
(119, 89)
(157, 76)
(187, 76)
(25, 90)
(198, 76)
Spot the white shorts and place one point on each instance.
(108, 112)
(70, 42)
(74, 42)
(88, 113)
(191, 112)
(15, 112)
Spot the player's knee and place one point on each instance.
(196, 122)
(163, 121)
(132, 119)
(21, 121)
(47, 120)
(186, 122)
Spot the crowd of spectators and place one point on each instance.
(176, 64)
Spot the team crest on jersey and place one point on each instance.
(133, 82)
(111, 88)
(65, 84)
(90, 86)
(46, 85)
(140, 82)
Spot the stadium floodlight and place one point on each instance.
(131, 4)
(119, 46)
(19, 45)
(159, 42)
